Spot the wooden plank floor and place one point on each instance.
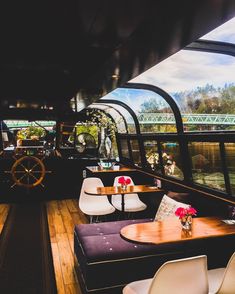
(4, 209)
(62, 216)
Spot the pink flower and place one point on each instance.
(192, 211)
(121, 180)
(124, 181)
(128, 181)
(183, 212)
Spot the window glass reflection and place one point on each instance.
(135, 152)
(124, 148)
(120, 125)
(152, 155)
(230, 162)
(171, 159)
(206, 164)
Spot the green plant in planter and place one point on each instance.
(31, 132)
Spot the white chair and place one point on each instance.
(182, 276)
(94, 205)
(132, 202)
(222, 280)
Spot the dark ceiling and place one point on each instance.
(53, 49)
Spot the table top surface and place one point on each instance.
(115, 190)
(170, 230)
(113, 169)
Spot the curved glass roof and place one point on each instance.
(224, 33)
(119, 121)
(152, 111)
(201, 83)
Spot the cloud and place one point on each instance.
(187, 70)
(223, 33)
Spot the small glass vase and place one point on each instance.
(123, 187)
(186, 222)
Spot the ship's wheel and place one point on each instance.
(28, 172)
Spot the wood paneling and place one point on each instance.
(62, 217)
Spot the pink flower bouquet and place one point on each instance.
(185, 215)
(184, 212)
(124, 181)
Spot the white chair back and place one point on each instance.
(94, 205)
(132, 201)
(228, 282)
(127, 196)
(187, 275)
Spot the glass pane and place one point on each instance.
(124, 148)
(86, 139)
(127, 117)
(153, 112)
(121, 128)
(230, 161)
(98, 116)
(206, 164)
(171, 159)
(224, 33)
(152, 155)
(135, 152)
(17, 132)
(206, 100)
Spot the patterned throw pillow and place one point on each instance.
(167, 208)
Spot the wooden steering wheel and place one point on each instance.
(28, 172)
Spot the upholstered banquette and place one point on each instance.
(107, 262)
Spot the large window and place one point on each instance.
(152, 111)
(230, 162)
(152, 155)
(206, 100)
(135, 152)
(171, 159)
(117, 116)
(124, 148)
(206, 164)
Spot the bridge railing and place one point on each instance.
(193, 119)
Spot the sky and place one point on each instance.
(187, 70)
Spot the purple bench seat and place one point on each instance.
(107, 262)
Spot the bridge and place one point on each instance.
(149, 118)
(190, 119)
(17, 124)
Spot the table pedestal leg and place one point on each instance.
(123, 203)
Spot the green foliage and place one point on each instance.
(91, 129)
(153, 105)
(208, 100)
(28, 132)
(102, 120)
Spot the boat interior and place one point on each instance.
(117, 147)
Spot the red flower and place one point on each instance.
(121, 180)
(182, 212)
(192, 211)
(128, 181)
(124, 181)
